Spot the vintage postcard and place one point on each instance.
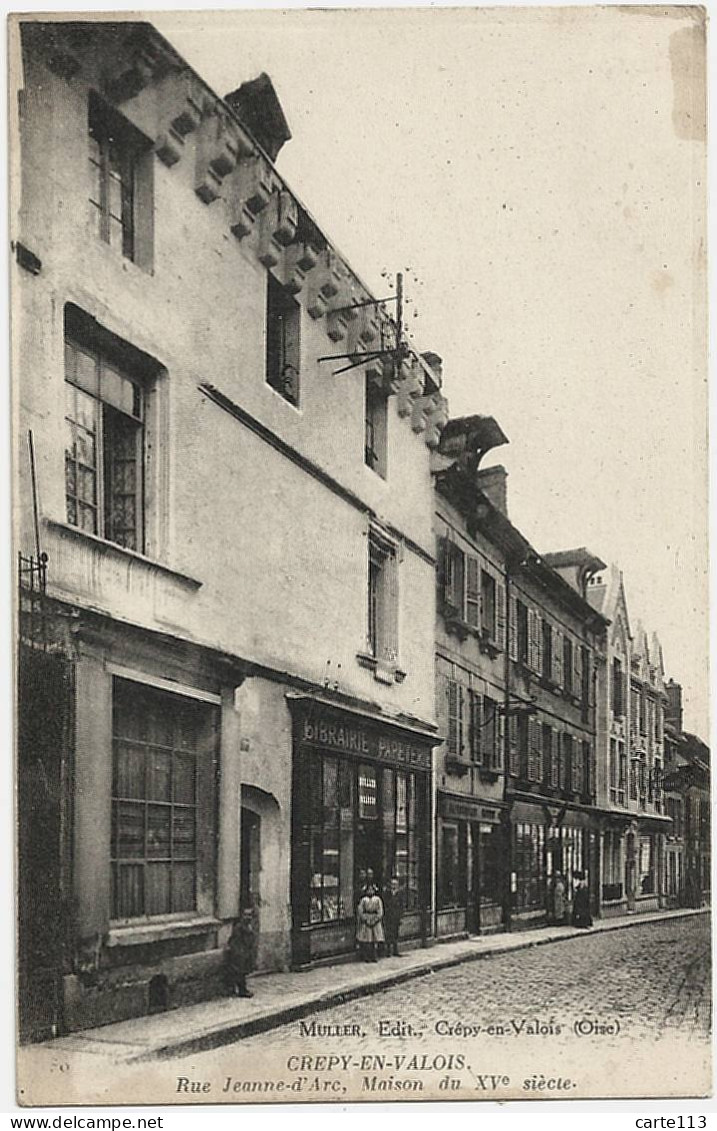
(360, 531)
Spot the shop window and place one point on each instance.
(283, 343)
(646, 863)
(105, 414)
(452, 874)
(121, 182)
(529, 866)
(382, 600)
(162, 803)
(375, 427)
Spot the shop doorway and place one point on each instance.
(249, 885)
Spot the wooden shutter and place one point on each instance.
(558, 657)
(476, 723)
(513, 749)
(534, 756)
(533, 625)
(500, 614)
(500, 741)
(555, 758)
(390, 608)
(472, 612)
(453, 717)
(513, 649)
(577, 669)
(589, 760)
(576, 769)
(463, 694)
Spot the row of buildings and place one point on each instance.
(276, 626)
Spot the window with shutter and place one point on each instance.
(567, 757)
(491, 752)
(283, 348)
(547, 752)
(589, 764)
(476, 724)
(513, 747)
(568, 664)
(500, 615)
(488, 604)
(514, 630)
(577, 669)
(534, 752)
(558, 657)
(454, 571)
(472, 591)
(523, 745)
(382, 635)
(452, 740)
(547, 633)
(533, 625)
(577, 772)
(523, 632)
(555, 759)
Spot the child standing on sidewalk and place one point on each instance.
(241, 953)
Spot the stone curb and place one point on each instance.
(233, 1031)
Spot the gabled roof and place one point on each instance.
(609, 597)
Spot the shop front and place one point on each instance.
(361, 805)
(548, 840)
(471, 871)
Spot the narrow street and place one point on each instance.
(654, 979)
(620, 1013)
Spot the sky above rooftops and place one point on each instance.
(540, 173)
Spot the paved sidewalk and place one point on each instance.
(281, 998)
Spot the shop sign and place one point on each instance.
(465, 809)
(365, 743)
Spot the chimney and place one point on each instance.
(493, 482)
(673, 711)
(257, 107)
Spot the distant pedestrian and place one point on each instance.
(369, 930)
(394, 905)
(556, 909)
(581, 903)
(241, 953)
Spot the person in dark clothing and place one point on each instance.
(241, 953)
(394, 905)
(581, 903)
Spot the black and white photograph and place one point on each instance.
(360, 555)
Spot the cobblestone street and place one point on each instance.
(652, 979)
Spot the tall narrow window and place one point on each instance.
(487, 593)
(120, 193)
(283, 344)
(375, 428)
(522, 628)
(162, 802)
(382, 600)
(547, 631)
(105, 419)
(618, 689)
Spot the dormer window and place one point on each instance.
(120, 186)
(283, 343)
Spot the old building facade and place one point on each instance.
(631, 703)
(240, 555)
(515, 697)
